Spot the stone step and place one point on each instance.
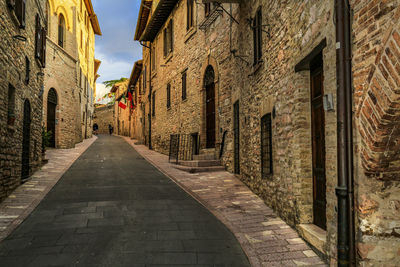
(200, 163)
(199, 169)
(204, 157)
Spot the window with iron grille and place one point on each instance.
(61, 30)
(184, 74)
(168, 96)
(11, 105)
(189, 14)
(168, 39)
(266, 146)
(153, 104)
(257, 36)
(27, 70)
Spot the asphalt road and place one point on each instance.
(113, 208)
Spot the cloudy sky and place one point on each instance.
(116, 48)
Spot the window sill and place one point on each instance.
(190, 33)
(184, 100)
(257, 67)
(168, 108)
(169, 57)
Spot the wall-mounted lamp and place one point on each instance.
(20, 38)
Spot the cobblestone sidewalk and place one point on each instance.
(16, 207)
(266, 239)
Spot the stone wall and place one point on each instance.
(103, 116)
(291, 32)
(13, 73)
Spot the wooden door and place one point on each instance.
(236, 136)
(210, 115)
(51, 123)
(318, 145)
(26, 141)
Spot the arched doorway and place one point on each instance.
(26, 138)
(51, 116)
(209, 83)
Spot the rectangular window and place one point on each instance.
(168, 38)
(184, 74)
(11, 105)
(189, 14)
(257, 36)
(153, 58)
(20, 10)
(168, 96)
(266, 146)
(144, 79)
(153, 104)
(207, 9)
(27, 70)
(38, 38)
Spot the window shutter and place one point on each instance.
(20, 6)
(184, 85)
(171, 32)
(38, 43)
(165, 42)
(11, 4)
(43, 55)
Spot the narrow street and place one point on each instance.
(112, 208)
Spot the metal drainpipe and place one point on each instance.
(344, 189)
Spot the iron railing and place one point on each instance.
(183, 147)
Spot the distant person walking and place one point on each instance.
(110, 129)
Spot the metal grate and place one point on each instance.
(214, 14)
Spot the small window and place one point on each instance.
(257, 36)
(207, 9)
(184, 74)
(27, 70)
(144, 79)
(168, 39)
(168, 96)
(266, 146)
(153, 104)
(40, 42)
(11, 105)
(20, 12)
(61, 30)
(153, 58)
(189, 14)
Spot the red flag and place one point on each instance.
(121, 105)
(129, 96)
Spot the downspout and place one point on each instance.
(150, 92)
(344, 189)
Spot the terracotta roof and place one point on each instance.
(93, 17)
(144, 13)
(135, 74)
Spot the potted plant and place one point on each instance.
(46, 136)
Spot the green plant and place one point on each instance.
(46, 136)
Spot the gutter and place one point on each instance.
(344, 189)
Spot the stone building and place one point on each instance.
(138, 111)
(103, 116)
(122, 116)
(260, 78)
(22, 62)
(71, 71)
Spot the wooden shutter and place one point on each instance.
(168, 95)
(38, 38)
(171, 35)
(43, 55)
(20, 8)
(165, 42)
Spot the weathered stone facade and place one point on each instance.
(71, 71)
(122, 117)
(21, 88)
(103, 116)
(293, 34)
